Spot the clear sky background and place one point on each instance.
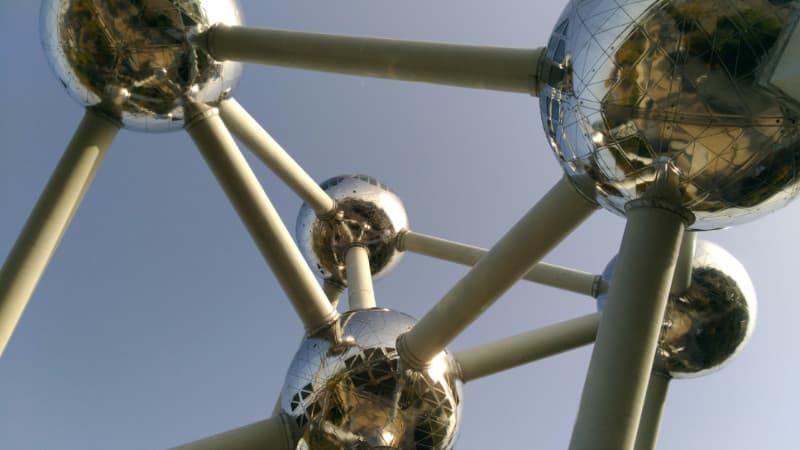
(158, 322)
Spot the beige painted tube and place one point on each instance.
(656, 396)
(51, 216)
(542, 273)
(260, 218)
(683, 268)
(542, 228)
(256, 138)
(622, 359)
(359, 278)
(525, 348)
(333, 290)
(650, 422)
(269, 434)
(494, 68)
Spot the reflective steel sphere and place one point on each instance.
(137, 56)
(368, 213)
(710, 323)
(674, 86)
(352, 395)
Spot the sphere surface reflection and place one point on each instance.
(352, 395)
(138, 56)
(675, 86)
(710, 323)
(368, 213)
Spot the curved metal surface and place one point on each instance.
(356, 395)
(709, 323)
(367, 213)
(675, 82)
(140, 52)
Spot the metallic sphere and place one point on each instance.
(350, 393)
(678, 90)
(368, 213)
(711, 322)
(135, 57)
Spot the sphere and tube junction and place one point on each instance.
(138, 56)
(681, 83)
(354, 394)
(368, 213)
(709, 323)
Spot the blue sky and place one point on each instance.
(158, 322)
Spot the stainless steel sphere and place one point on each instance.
(674, 86)
(353, 395)
(710, 323)
(368, 213)
(135, 56)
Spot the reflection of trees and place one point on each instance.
(361, 222)
(366, 394)
(774, 173)
(686, 16)
(706, 324)
(89, 51)
(138, 45)
(624, 91)
(738, 42)
(627, 91)
(683, 78)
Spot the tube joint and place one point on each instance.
(407, 357)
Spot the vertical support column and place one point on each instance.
(51, 216)
(650, 423)
(683, 268)
(359, 278)
(615, 387)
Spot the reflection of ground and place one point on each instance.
(706, 325)
(354, 395)
(136, 45)
(682, 85)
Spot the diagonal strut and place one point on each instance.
(260, 218)
(51, 216)
(542, 228)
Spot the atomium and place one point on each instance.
(351, 392)
(137, 58)
(367, 213)
(674, 86)
(709, 323)
(668, 107)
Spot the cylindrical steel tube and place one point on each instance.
(468, 255)
(333, 290)
(359, 278)
(524, 348)
(650, 423)
(51, 216)
(270, 434)
(683, 268)
(260, 218)
(542, 228)
(256, 138)
(614, 391)
(495, 68)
